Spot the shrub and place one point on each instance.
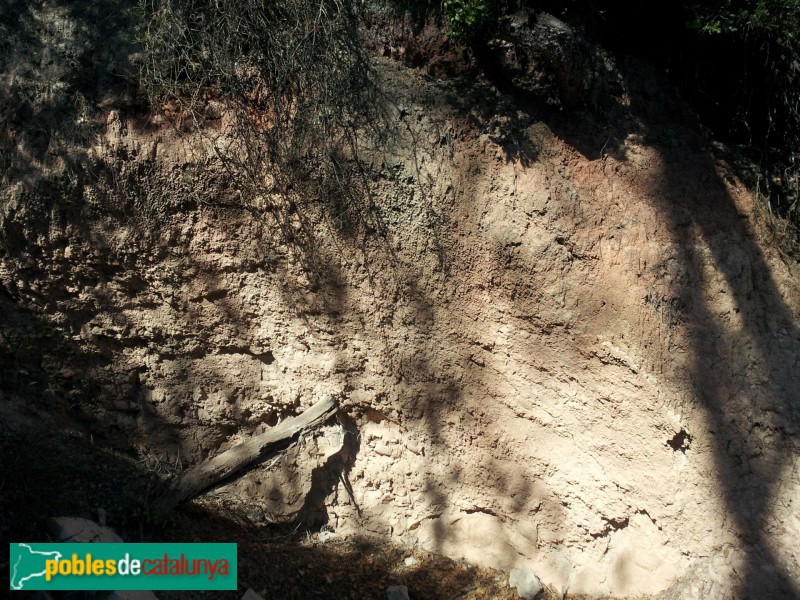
(768, 32)
(466, 18)
(293, 73)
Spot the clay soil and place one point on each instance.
(561, 341)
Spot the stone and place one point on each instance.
(124, 406)
(382, 450)
(416, 447)
(76, 529)
(411, 561)
(527, 584)
(397, 592)
(324, 536)
(251, 595)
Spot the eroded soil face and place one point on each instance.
(557, 340)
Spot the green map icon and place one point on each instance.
(29, 564)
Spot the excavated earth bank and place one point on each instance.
(558, 344)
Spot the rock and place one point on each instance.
(75, 529)
(251, 595)
(416, 447)
(526, 582)
(124, 406)
(382, 450)
(411, 561)
(324, 536)
(397, 592)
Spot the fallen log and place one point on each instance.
(207, 474)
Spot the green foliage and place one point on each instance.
(767, 34)
(465, 18)
(778, 17)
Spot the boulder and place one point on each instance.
(527, 584)
(76, 529)
(397, 592)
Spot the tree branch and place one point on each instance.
(222, 466)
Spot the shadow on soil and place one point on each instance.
(741, 408)
(280, 564)
(60, 60)
(55, 455)
(748, 383)
(703, 222)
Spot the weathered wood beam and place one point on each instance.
(222, 466)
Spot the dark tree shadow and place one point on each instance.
(746, 382)
(700, 218)
(332, 476)
(744, 396)
(55, 452)
(61, 61)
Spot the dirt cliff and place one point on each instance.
(559, 340)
